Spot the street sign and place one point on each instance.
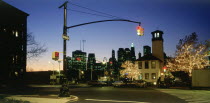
(65, 37)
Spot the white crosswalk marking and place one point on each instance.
(191, 96)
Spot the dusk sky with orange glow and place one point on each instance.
(175, 18)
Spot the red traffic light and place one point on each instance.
(57, 54)
(164, 67)
(140, 30)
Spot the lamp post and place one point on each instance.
(59, 62)
(53, 67)
(105, 62)
(65, 36)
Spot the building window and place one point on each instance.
(158, 34)
(16, 34)
(146, 75)
(153, 64)
(141, 76)
(146, 65)
(140, 65)
(153, 75)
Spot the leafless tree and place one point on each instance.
(34, 49)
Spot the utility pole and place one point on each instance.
(65, 36)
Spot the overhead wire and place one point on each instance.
(104, 14)
(90, 13)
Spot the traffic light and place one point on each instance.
(140, 30)
(55, 55)
(164, 68)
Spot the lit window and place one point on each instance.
(158, 34)
(16, 73)
(153, 75)
(16, 33)
(155, 35)
(141, 76)
(22, 47)
(153, 64)
(13, 59)
(146, 75)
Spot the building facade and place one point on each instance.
(78, 60)
(151, 64)
(91, 61)
(13, 41)
(120, 56)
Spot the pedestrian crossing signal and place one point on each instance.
(55, 55)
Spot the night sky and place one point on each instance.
(175, 19)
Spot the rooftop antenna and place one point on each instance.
(80, 46)
(83, 41)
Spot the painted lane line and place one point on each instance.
(115, 101)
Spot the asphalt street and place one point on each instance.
(87, 94)
(123, 95)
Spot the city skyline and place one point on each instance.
(179, 19)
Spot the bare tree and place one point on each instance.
(34, 49)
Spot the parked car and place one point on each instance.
(130, 84)
(140, 83)
(118, 83)
(97, 83)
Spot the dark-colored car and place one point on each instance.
(97, 83)
(140, 83)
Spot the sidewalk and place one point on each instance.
(39, 99)
(39, 93)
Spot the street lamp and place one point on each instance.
(59, 61)
(53, 67)
(105, 62)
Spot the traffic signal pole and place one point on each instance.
(64, 36)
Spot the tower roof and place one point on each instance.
(148, 57)
(157, 31)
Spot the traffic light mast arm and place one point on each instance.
(103, 21)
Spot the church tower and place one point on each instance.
(157, 44)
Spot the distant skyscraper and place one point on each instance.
(133, 56)
(91, 61)
(127, 54)
(147, 50)
(112, 61)
(120, 56)
(78, 60)
(113, 54)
